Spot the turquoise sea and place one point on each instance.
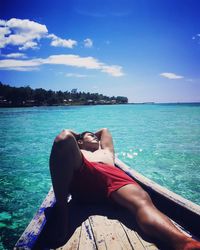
(161, 141)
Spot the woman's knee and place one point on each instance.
(64, 136)
(63, 148)
(64, 141)
(65, 152)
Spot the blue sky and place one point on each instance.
(145, 50)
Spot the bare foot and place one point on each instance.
(190, 244)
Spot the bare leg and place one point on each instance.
(65, 158)
(150, 219)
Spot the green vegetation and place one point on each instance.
(27, 97)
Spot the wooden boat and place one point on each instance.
(104, 226)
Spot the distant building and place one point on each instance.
(102, 101)
(30, 101)
(90, 102)
(3, 100)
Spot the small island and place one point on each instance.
(28, 97)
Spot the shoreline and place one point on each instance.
(59, 105)
(98, 104)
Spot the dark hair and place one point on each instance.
(81, 135)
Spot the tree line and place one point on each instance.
(26, 96)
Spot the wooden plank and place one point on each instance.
(73, 242)
(135, 242)
(147, 245)
(87, 238)
(139, 243)
(109, 234)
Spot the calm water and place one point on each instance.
(160, 141)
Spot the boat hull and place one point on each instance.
(40, 232)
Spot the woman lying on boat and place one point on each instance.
(83, 165)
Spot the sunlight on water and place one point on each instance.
(160, 141)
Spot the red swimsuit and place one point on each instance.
(96, 181)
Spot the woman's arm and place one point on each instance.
(105, 139)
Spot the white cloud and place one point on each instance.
(23, 33)
(15, 55)
(59, 42)
(171, 76)
(113, 70)
(13, 63)
(3, 32)
(74, 60)
(88, 43)
(23, 69)
(25, 25)
(2, 22)
(26, 34)
(68, 60)
(29, 45)
(75, 75)
(196, 37)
